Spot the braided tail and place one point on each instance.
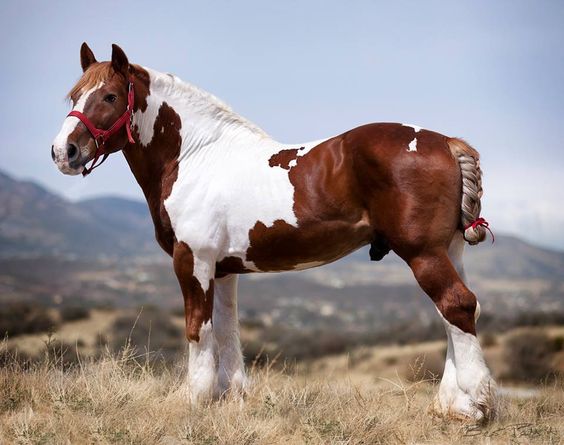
(473, 226)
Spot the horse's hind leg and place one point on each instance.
(450, 395)
(231, 370)
(467, 389)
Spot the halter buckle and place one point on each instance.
(99, 141)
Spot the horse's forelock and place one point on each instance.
(96, 74)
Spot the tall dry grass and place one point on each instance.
(122, 398)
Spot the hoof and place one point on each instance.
(459, 414)
(237, 387)
(199, 399)
(464, 409)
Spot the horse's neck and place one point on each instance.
(182, 123)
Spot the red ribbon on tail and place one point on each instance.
(481, 222)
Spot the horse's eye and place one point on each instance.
(110, 98)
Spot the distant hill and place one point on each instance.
(34, 221)
(103, 252)
(509, 257)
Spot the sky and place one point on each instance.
(490, 72)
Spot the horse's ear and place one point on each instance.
(120, 63)
(86, 56)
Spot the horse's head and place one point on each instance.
(100, 102)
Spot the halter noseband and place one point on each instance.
(101, 136)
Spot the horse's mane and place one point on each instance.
(207, 103)
(101, 72)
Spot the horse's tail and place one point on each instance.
(474, 227)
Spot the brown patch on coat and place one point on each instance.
(230, 265)
(155, 166)
(284, 157)
(198, 305)
(327, 203)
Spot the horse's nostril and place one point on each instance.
(72, 152)
(53, 152)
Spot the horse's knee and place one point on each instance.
(197, 290)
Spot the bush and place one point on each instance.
(56, 353)
(17, 318)
(529, 355)
(151, 328)
(59, 354)
(73, 313)
(12, 357)
(488, 339)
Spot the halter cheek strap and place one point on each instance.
(101, 136)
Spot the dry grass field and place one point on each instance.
(360, 398)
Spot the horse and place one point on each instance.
(227, 199)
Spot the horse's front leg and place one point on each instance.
(195, 274)
(231, 370)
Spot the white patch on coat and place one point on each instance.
(413, 144)
(417, 128)
(144, 121)
(202, 376)
(69, 125)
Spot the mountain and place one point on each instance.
(34, 221)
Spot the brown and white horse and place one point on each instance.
(227, 199)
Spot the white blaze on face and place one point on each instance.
(69, 125)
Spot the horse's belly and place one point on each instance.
(283, 246)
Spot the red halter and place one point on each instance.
(101, 136)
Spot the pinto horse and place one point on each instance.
(227, 199)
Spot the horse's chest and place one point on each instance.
(215, 208)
